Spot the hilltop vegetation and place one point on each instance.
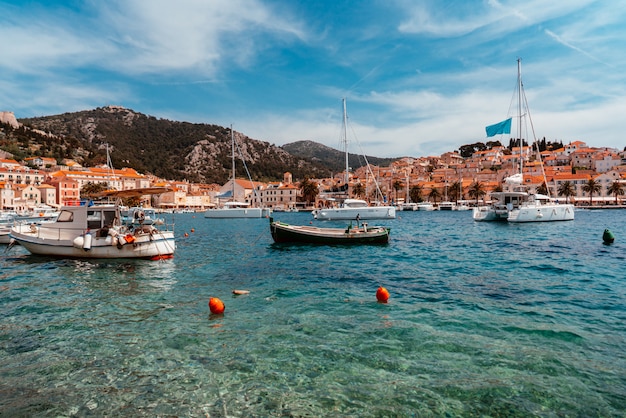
(168, 149)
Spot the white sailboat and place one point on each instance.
(518, 205)
(353, 208)
(233, 208)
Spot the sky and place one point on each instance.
(420, 77)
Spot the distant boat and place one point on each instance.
(38, 215)
(518, 205)
(138, 215)
(234, 209)
(95, 232)
(425, 206)
(351, 208)
(446, 205)
(360, 234)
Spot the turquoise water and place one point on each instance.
(484, 319)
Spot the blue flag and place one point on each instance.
(503, 127)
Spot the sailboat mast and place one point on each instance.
(232, 144)
(519, 112)
(345, 140)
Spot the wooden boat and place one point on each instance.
(361, 234)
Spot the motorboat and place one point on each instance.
(94, 231)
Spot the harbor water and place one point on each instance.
(484, 320)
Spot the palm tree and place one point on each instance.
(567, 189)
(454, 191)
(617, 189)
(542, 189)
(358, 190)
(591, 187)
(434, 194)
(309, 190)
(397, 185)
(476, 190)
(416, 193)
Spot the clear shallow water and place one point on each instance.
(484, 320)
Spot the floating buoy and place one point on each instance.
(608, 236)
(193, 230)
(241, 292)
(382, 295)
(216, 306)
(186, 234)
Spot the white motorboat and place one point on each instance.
(94, 232)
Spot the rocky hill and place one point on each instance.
(168, 149)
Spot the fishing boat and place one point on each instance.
(517, 205)
(233, 208)
(95, 231)
(351, 208)
(360, 234)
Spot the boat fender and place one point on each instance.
(79, 241)
(87, 242)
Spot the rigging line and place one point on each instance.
(379, 193)
(243, 160)
(532, 127)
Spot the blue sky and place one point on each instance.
(421, 77)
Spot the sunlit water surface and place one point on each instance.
(484, 319)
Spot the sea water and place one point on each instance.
(484, 319)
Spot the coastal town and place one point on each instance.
(448, 177)
(575, 172)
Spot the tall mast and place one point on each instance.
(519, 112)
(232, 140)
(345, 140)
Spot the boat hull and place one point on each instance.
(234, 213)
(542, 213)
(370, 212)
(489, 214)
(159, 245)
(284, 233)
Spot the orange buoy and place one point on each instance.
(216, 306)
(193, 230)
(382, 295)
(186, 234)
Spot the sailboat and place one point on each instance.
(353, 208)
(518, 205)
(233, 208)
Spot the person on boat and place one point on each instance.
(358, 218)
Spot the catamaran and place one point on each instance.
(517, 204)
